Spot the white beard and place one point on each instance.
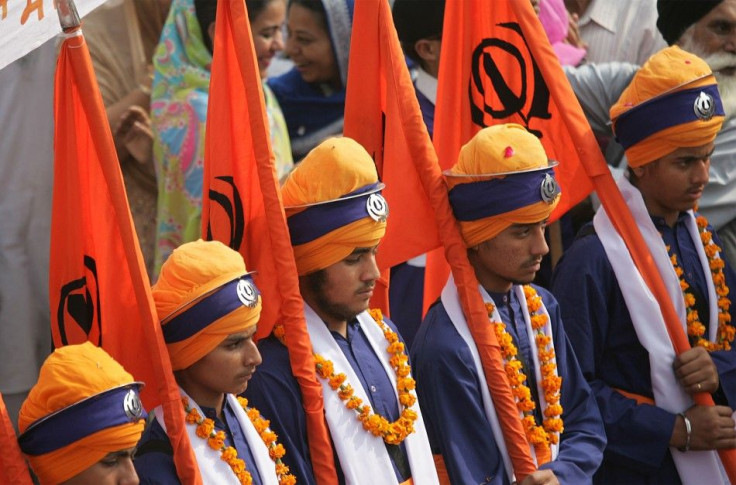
(716, 62)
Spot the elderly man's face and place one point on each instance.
(716, 32)
(713, 39)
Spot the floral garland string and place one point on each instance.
(549, 433)
(393, 433)
(695, 328)
(228, 454)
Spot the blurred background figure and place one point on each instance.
(562, 31)
(180, 94)
(620, 30)
(312, 93)
(122, 53)
(27, 164)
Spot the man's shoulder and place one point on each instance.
(436, 334)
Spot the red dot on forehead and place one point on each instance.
(509, 152)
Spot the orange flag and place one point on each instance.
(370, 113)
(410, 169)
(242, 207)
(98, 285)
(13, 468)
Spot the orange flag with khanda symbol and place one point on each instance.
(98, 286)
(242, 208)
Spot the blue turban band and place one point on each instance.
(317, 220)
(661, 113)
(105, 410)
(487, 198)
(207, 311)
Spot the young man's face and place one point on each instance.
(226, 369)
(512, 257)
(675, 182)
(114, 469)
(341, 291)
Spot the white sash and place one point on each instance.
(451, 302)
(213, 470)
(694, 467)
(363, 457)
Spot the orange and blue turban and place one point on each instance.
(83, 407)
(672, 102)
(333, 204)
(502, 177)
(202, 295)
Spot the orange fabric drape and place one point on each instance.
(13, 468)
(242, 207)
(417, 177)
(98, 285)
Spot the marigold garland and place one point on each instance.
(549, 433)
(695, 328)
(393, 433)
(228, 454)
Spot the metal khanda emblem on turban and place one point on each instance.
(704, 106)
(549, 189)
(132, 406)
(247, 293)
(377, 207)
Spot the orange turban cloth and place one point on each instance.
(333, 204)
(672, 102)
(63, 432)
(202, 295)
(502, 177)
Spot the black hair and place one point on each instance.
(315, 6)
(416, 20)
(205, 11)
(255, 7)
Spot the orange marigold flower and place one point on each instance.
(237, 465)
(193, 417)
(217, 442)
(281, 468)
(276, 451)
(396, 348)
(542, 340)
(553, 410)
(336, 380)
(406, 384)
(228, 454)
(268, 437)
(345, 391)
(407, 399)
(539, 321)
(353, 402)
(391, 336)
(205, 428)
(288, 480)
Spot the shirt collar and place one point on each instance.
(426, 84)
(603, 13)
